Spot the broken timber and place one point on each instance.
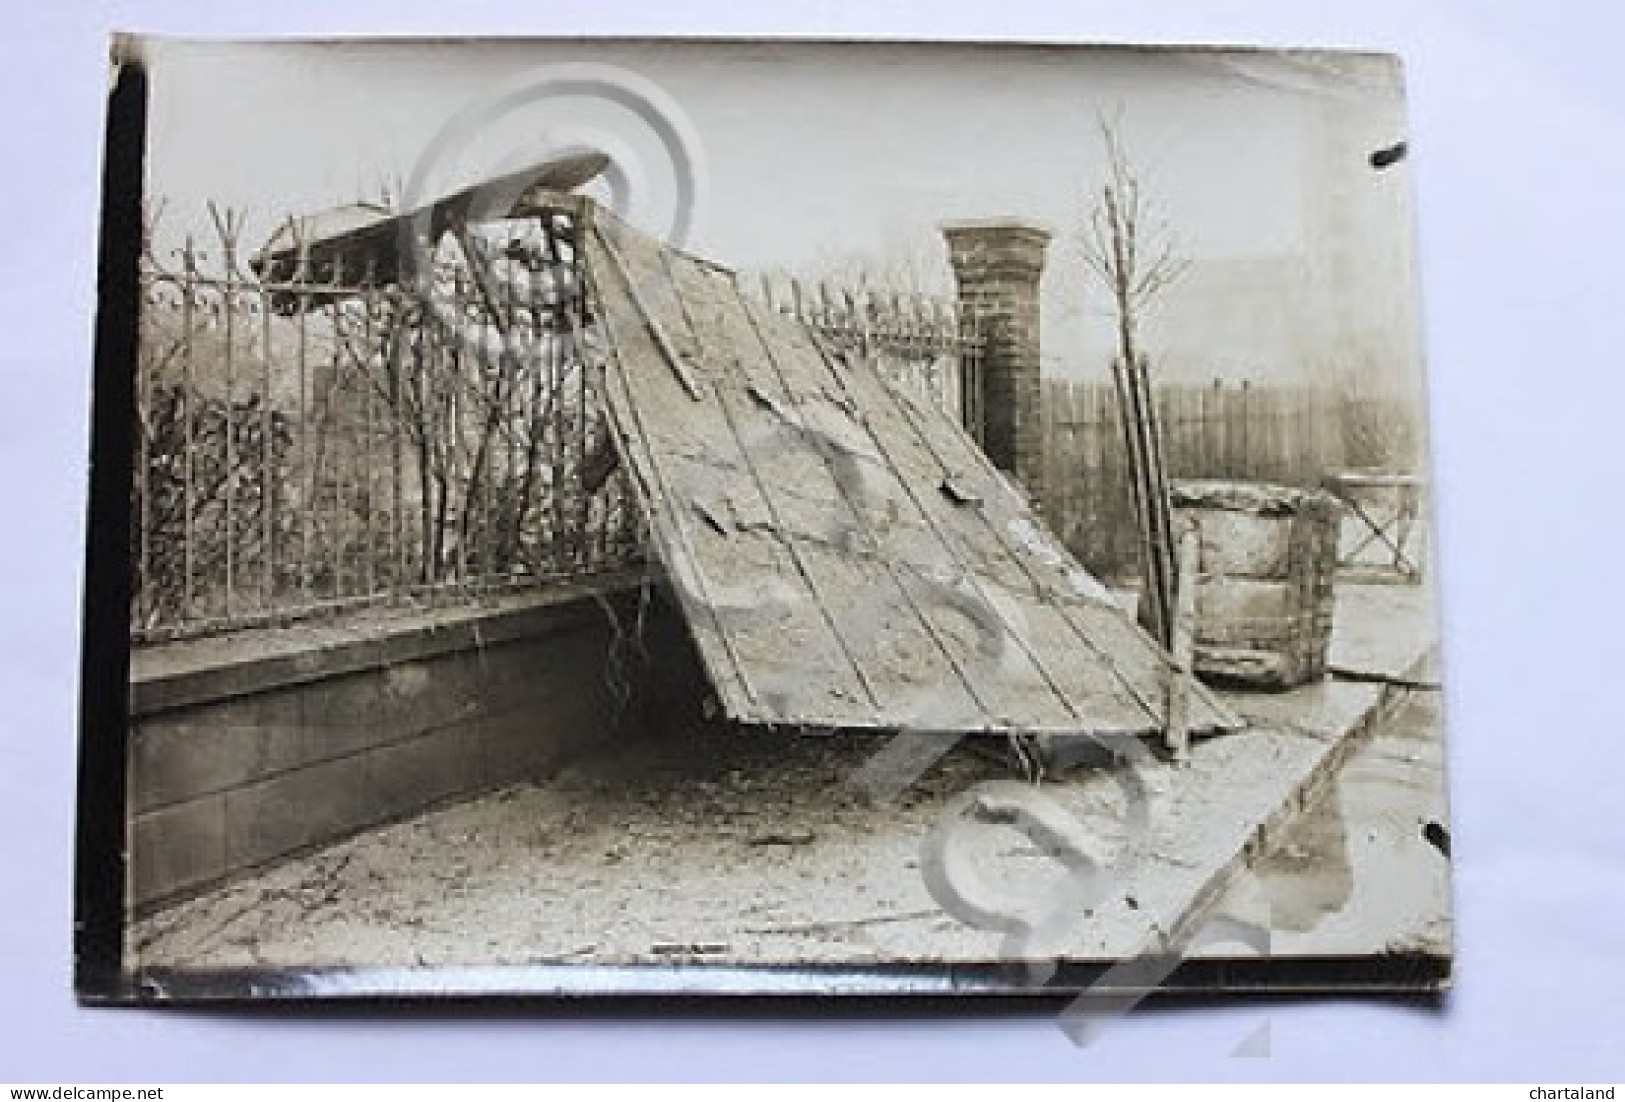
(844, 553)
(373, 246)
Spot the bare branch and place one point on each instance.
(1125, 246)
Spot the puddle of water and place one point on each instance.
(1309, 876)
(1368, 868)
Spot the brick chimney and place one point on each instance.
(997, 264)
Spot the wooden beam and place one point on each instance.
(1183, 645)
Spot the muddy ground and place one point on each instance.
(713, 844)
(707, 843)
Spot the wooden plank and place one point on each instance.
(1129, 421)
(917, 585)
(1056, 453)
(1178, 734)
(1002, 649)
(1301, 438)
(1073, 471)
(1080, 532)
(1118, 515)
(1246, 464)
(1175, 434)
(1104, 679)
(1280, 469)
(1093, 626)
(675, 460)
(647, 479)
(1154, 496)
(676, 360)
(1211, 454)
(859, 588)
(899, 639)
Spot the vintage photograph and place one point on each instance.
(706, 517)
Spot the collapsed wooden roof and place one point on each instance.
(845, 554)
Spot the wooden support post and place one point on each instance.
(1178, 735)
(1160, 511)
(1152, 611)
(1149, 485)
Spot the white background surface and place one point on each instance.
(1518, 135)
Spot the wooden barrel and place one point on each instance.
(1265, 593)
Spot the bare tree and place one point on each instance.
(1130, 249)
(1126, 243)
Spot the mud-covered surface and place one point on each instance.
(709, 844)
(721, 844)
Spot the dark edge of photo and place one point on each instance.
(100, 850)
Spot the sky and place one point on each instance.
(835, 159)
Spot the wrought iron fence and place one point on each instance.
(317, 439)
(916, 341)
(313, 437)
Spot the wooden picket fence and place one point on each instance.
(1291, 435)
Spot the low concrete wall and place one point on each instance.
(252, 748)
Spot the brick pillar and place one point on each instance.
(997, 264)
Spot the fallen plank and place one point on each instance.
(796, 501)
